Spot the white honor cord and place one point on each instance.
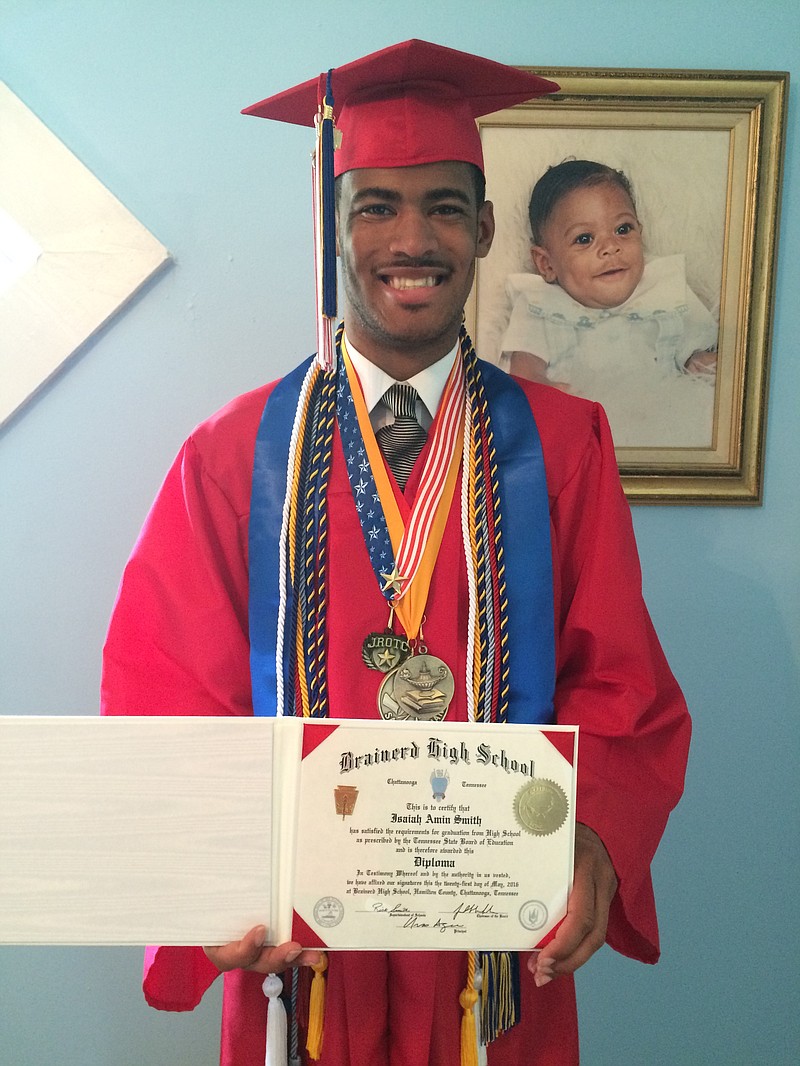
(471, 582)
(284, 538)
(276, 1053)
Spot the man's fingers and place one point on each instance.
(238, 953)
(583, 930)
(250, 953)
(577, 938)
(278, 959)
(565, 955)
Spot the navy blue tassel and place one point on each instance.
(328, 207)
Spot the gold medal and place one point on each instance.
(422, 689)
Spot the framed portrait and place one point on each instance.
(673, 337)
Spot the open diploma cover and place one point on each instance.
(335, 833)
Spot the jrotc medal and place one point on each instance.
(384, 651)
(421, 689)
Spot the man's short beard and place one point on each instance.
(407, 342)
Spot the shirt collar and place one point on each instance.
(429, 382)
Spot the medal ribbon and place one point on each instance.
(415, 533)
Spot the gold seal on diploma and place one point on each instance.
(541, 806)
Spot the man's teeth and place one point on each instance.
(413, 283)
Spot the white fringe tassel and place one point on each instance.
(276, 1022)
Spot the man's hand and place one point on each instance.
(250, 953)
(583, 930)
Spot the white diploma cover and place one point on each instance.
(336, 833)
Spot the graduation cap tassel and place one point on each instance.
(325, 230)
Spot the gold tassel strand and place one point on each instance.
(316, 1009)
(468, 999)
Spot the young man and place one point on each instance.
(194, 628)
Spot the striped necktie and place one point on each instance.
(403, 440)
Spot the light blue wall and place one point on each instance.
(146, 94)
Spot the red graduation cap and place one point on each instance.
(408, 104)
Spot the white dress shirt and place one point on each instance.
(429, 384)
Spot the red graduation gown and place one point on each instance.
(178, 644)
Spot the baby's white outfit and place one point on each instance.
(621, 356)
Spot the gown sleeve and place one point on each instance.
(614, 682)
(178, 638)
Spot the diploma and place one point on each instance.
(453, 836)
(336, 833)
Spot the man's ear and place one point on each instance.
(542, 264)
(485, 229)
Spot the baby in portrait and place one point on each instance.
(599, 320)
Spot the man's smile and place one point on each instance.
(413, 276)
(411, 283)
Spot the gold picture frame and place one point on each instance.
(704, 153)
